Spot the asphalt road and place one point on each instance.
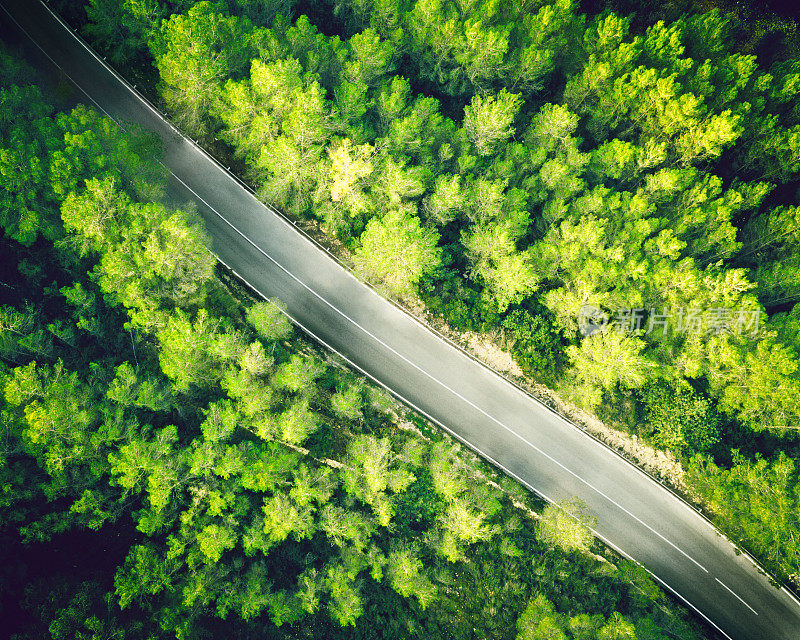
(635, 515)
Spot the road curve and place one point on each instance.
(635, 515)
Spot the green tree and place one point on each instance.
(290, 173)
(345, 528)
(132, 387)
(608, 358)
(446, 201)
(508, 275)
(348, 402)
(262, 12)
(373, 473)
(151, 258)
(195, 52)
(95, 147)
(419, 131)
(756, 380)
(121, 29)
(269, 320)
(277, 99)
(397, 251)
(297, 423)
(756, 502)
(566, 525)
(186, 350)
(681, 420)
(489, 122)
(405, 573)
(370, 58)
(346, 604)
(28, 137)
(350, 169)
(298, 374)
(461, 525)
(144, 573)
(540, 621)
(283, 517)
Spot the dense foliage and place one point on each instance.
(175, 463)
(513, 162)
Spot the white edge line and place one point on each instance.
(525, 394)
(434, 379)
(527, 397)
(458, 348)
(478, 451)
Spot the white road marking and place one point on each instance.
(511, 473)
(433, 378)
(736, 595)
(363, 329)
(485, 455)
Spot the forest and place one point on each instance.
(508, 165)
(179, 462)
(512, 164)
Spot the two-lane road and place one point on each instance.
(635, 515)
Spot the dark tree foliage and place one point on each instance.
(179, 464)
(680, 419)
(512, 163)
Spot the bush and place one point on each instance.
(534, 343)
(679, 419)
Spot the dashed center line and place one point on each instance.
(736, 595)
(401, 356)
(434, 379)
(388, 347)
